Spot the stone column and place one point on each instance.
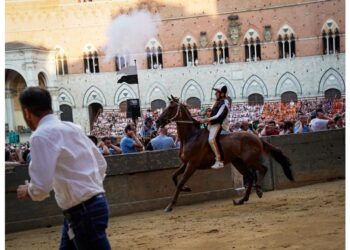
(54, 96)
(9, 118)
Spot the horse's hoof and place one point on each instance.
(186, 189)
(240, 202)
(168, 209)
(259, 193)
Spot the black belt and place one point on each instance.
(83, 204)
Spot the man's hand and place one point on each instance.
(205, 120)
(22, 191)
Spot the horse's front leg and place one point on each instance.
(177, 173)
(188, 172)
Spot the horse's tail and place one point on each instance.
(280, 157)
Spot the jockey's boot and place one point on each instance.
(218, 165)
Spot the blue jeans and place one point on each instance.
(88, 222)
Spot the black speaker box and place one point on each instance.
(133, 108)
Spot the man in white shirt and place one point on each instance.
(64, 159)
(320, 122)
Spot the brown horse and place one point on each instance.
(244, 150)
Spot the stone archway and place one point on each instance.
(94, 110)
(67, 114)
(332, 93)
(42, 81)
(289, 96)
(158, 104)
(194, 102)
(255, 99)
(14, 85)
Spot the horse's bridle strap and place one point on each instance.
(177, 114)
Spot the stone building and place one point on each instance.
(261, 50)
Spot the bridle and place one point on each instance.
(178, 113)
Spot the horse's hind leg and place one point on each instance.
(247, 192)
(262, 171)
(187, 174)
(177, 173)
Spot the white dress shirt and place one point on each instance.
(66, 160)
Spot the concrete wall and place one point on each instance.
(142, 182)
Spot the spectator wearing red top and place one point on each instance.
(270, 129)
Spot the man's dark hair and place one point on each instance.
(337, 118)
(272, 122)
(127, 128)
(36, 100)
(93, 139)
(106, 138)
(319, 110)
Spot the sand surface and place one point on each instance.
(310, 217)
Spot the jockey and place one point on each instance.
(218, 115)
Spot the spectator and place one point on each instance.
(270, 129)
(147, 130)
(288, 128)
(320, 122)
(112, 149)
(162, 141)
(301, 125)
(260, 128)
(339, 123)
(130, 143)
(331, 124)
(236, 127)
(245, 127)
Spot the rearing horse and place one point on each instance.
(244, 150)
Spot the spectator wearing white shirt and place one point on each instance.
(64, 159)
(320, 122)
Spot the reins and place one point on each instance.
(178, 113)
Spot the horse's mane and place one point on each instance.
(196, 123)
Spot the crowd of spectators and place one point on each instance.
(114, 133)
(17, 152)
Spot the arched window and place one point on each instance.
(220, 49)
(194, 102)
(94, 110)
(66, 114)
(121, 61)
(255, 99)
(332, 94)
(91, 64)
(158, 104)
(289, 96)
(154, 55)
(61, 62)
(42, 80)
(286, 42)
(189, 52)
(252, 46)
(330, 38)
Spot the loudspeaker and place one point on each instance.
(133, 108)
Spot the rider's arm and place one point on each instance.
(220, 116)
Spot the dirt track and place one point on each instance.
(310, 217)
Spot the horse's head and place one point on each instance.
(169, 113)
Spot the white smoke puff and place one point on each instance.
(129, 34)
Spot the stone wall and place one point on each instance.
(142, 181)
